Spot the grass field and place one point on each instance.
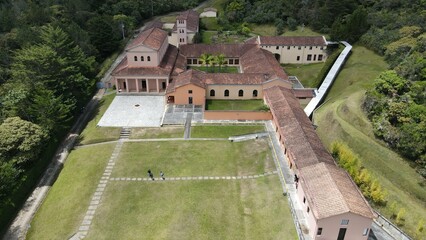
(306, 73)
(341, 118)
(94, 134)
(245, 105)
(210, 23)
(163, 132)
(66, 203)
(225, 131)
(245, 209)
(194, 158)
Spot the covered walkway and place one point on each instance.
(329, 79)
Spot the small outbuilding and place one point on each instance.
(209, 13)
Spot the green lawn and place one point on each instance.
(66, 203)
(163, 132)
(306, 73)
(208, 209)
(210, 23)
(224, 131)
(263, 29)
(244, 105)
(194, 158)
(169, 18)
(305, 31)
(95, 134)
(341, 118)
(216, 69)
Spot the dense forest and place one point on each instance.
(50, 54)
(394, 29)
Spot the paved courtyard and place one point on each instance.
(177, 114)
(134, 111)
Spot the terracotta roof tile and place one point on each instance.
(152, 38)
(229, 50)
(341, 195)
(304, 92)
(190, 76)
(164, 69)
(298, 133)
(290, 41)
(192, 20)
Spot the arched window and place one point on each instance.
(148, 58)
(254, 93)
(212, 93)
(226, 93)
(142, 59)
(136, 59)
(240, 93)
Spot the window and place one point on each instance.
(212, 93)
(254, 93)
(365, 232)
(194, 61)
(226, 93)
(142, 59)
(320, 57)
(310, 48)
(190, 91)
(278, 47)
(298, 58)
(308, 210)
(288, 48)
(299, 47)
(321, 48)
(315, 57)
(319, 231)
(344, 222)
(231, 61)
(236, 61)
(136, 59)
(189, 61)
(240, 93)
(309, 58)
(304, 199)
(148, 58)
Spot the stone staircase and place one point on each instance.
(125, 133)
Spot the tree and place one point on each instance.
(390, 84)
(20, 141)
(220, 60)
(103, 34)
(206, 59)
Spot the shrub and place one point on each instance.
(327, 66)
(400, 217)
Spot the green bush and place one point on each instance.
(327, 66)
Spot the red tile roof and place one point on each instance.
(328, 188)
(330, 191)
(190, 76)
(304, 92)
(252, 58)
(229, 50)
(299, 135)
(288, 41)
(164, 69)
(152, 38)
(192, 20)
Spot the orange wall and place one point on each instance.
(181, 94)
(236, 115)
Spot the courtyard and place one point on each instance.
(213, 189)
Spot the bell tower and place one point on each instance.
(182, 37)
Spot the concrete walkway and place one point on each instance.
(287, 180)
(96, 198)
(329, 79)
(194, 178)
